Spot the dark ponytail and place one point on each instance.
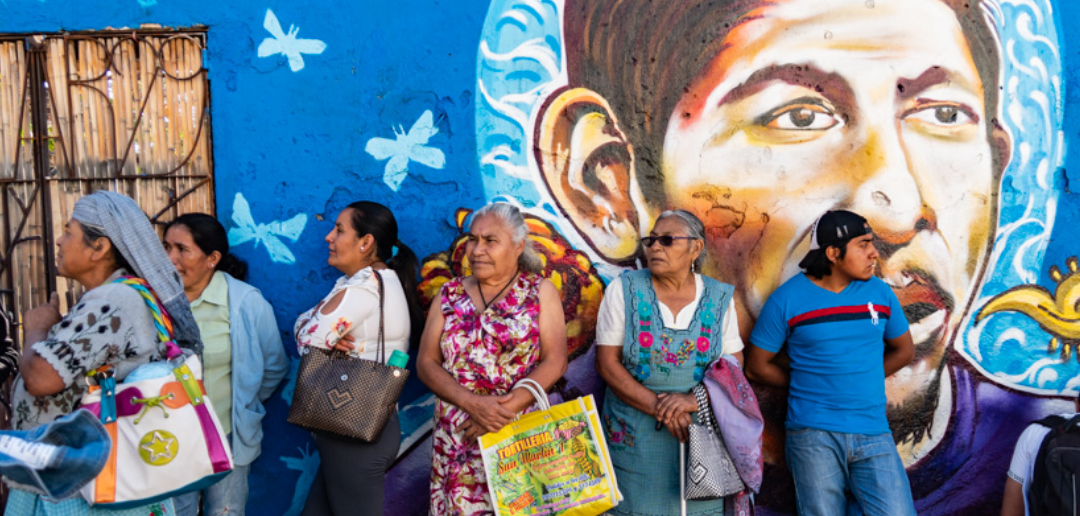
(234, 266)
(210, 236)
(372, 218)
(406, 265)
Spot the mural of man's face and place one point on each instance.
(878, 111)
(812, 105)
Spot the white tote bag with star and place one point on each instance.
(166, 437)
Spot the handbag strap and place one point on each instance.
(705, 415)
(162, 321)
(536, 390)
(380, 355)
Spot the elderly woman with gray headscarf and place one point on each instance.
(657, 331)
(107, 238)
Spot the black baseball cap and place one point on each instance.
(834, 229)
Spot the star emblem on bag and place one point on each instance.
(158, 447)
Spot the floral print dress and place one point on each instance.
(486, 352)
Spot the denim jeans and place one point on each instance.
(225, 498)
(831, 468)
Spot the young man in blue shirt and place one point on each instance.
(844, 331)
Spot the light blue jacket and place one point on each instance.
(259, 364)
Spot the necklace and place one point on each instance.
(480, 289)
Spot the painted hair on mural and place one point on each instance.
(627, 51)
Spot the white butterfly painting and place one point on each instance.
(406, 147)
(287, 44)
(267, 234)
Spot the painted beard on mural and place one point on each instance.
(760, 116)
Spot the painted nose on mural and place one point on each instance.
(891, 193)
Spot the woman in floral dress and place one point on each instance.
(484, 333)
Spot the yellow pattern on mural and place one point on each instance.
(1057, 314)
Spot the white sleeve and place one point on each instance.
(325, 330)
(732, 341)
(1027, 447)
(611, 319)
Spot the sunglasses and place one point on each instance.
(665, 240)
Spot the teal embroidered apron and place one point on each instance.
(646, 461)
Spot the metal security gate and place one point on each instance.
(122, 111)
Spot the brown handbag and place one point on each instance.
(346, 395)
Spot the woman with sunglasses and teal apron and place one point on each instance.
(657, 331)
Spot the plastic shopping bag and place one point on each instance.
(551, 462)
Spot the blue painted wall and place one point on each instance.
(294, 142)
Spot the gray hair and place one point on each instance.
(694, 229)
(515, 222)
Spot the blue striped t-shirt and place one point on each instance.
(836, 344)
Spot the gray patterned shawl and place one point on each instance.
(129, 229)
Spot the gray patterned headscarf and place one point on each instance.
(120, 219)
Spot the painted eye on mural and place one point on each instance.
(941, 114)
(801, 115)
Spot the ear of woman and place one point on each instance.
(214, 258)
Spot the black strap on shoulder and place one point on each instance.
(380, 354)
(1058, 426)
(1051, 421)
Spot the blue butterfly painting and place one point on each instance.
(406, 147)
(287, 44)
(267, 234)
(308, 465)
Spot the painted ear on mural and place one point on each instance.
(588, 166)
